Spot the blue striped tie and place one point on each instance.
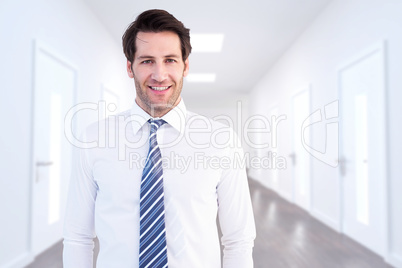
(153, 250)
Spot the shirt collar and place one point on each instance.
(175, 117)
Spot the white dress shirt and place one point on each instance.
(203, 178)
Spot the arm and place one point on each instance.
(79, 218)
(236, 215)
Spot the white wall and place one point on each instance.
(343, 30)
(226, 107)
(229, 108)
(71, 29)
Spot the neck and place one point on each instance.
(157, 110)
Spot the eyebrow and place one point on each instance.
(152, 57)
(172, 56)
(145, 57)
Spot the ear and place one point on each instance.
(129, 69)
(186, 68)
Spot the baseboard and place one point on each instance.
(262, 182)
(326, 220)
(314, 212)
(285, 195)
(21, 261)
(265, 183)
(394, 260)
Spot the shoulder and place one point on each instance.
(197, 120)
(101, 128)
(220, 135)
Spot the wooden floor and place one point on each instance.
(287, 237)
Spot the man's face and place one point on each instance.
(158, 70)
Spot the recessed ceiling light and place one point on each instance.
(201, 78)
(207, 42)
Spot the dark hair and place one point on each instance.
(155, 20)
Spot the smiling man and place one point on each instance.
(152, 213)
(158, 69)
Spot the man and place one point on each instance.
(153, 193)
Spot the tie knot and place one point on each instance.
(156, 124)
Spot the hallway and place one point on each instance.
(286, 237)
(311, 89)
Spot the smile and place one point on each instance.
(160, 88)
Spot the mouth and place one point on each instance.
(159, 88)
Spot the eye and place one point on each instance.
(170, 60)
(146, 62)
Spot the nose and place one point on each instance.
(159, 73)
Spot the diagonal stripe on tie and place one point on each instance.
(153, 249)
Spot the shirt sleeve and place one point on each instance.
(235, 214)
(79, 230)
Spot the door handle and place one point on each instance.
(342, 165)
(44, 163)
(293, 157)
(41, 164)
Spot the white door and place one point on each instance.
(54, 87)
(300, 157)
(363, 149)
(274, 114)
(109, 104)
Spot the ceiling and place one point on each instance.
(256, 33)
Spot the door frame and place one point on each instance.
(362, 55)
(308, 207)
(274, 106)
(104, 109)
(40, 46)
